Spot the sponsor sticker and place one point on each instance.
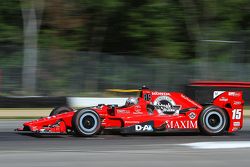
(223, 99)
(131, 122)
(137, 106)
(192, 115)
(237, 102)
(217, 93)
(121, 111)
(138, 112)
(181, 124)
(235, 129)
(143, 128)
(165, 105)
(161, 93)
(235, 94)
(236, 123)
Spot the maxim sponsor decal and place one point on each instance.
(181, 124)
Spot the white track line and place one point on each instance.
(218, 145)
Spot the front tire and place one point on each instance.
(60, 110)
(86, 122)
(213, 121)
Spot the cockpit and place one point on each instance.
(131, 101)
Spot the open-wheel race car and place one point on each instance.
(151, 112)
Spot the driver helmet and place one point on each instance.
(131, 101)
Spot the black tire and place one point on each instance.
(60, 110)
(213, 121)
(86, 122)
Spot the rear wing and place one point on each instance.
(228, 99)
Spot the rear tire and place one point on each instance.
(86, 122)
(213, 121)
(60, 110)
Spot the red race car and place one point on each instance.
(151, 112)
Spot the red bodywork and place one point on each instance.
(173, 111)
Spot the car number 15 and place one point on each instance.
(237, 113)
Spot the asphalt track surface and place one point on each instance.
(174, 149)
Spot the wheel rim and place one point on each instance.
(88, 123)
(214, 120)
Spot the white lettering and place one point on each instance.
(236, 123)
(237, 103)
(223, 99)
(236, 94)
(138, 127)
(176, 125)
(193, 125)
(144, 128)
(161, 93)
(181, 124)
(237, 113)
